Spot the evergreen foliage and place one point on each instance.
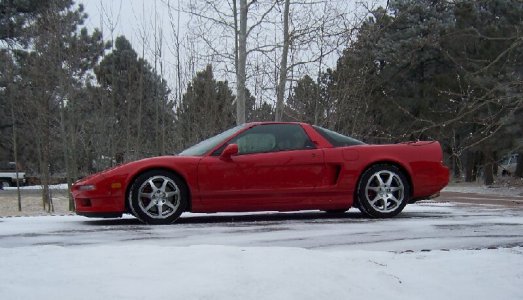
(450, 71)
(139, 112)
(206, 109)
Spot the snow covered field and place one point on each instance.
(430, 251)
(145, 271)
(62, 186)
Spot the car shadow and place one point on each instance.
(308, 217)
(247, 218)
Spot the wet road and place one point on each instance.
(427, 225)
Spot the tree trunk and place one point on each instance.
(282, 80)
(13, 116)
(236, 33)
(469, 166)
(141, 98)
(456, 168)
(73, 154)
(488, 168)
(519, 166)
(14, 139)
(128, 119)
(44, 167)
(65, 149)
(113, 136)
(242, 58)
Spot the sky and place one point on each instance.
(133, 18)
(137, 20)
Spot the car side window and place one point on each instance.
(256, 143)
(272, 138)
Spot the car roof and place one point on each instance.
(273, 122)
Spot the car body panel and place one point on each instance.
(249, 182)
(324, 177)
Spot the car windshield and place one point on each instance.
(337, 139)
(509, 159)
(207, 145)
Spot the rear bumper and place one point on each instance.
(21, 181)
(429, 182)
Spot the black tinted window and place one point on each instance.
(271, 138)
(337, 139)
(204, 146)
(7, 166)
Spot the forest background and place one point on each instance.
(75, 100)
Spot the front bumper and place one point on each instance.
(99, 215)
(92, 206)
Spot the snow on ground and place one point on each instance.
(306, 255)
(62, 186)
(430, 251)
(223, 272)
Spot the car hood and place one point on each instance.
(130, 166)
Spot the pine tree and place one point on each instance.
(303, 103)
(47, 75)
(138, 111)
(434, 70)
(206, 109)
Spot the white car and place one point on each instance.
(8, 176)
(508, 164)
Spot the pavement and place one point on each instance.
(482, 199)
(455, 220)
(471, 194)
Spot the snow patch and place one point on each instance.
(62, 186)
(222, 272)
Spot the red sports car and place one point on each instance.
(268, 166)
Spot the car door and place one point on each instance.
(277, 168)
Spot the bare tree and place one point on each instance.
(220, 22)
(9, 95)
(280, 90)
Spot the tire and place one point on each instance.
(5, 184)
(383, 191)
(158, 197)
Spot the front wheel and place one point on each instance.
(158, 197)
(5, 184)
(383, 191)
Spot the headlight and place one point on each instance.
(88, 187)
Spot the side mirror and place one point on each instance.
(230, 150)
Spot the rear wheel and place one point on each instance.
(383, 191)
(158, 197)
